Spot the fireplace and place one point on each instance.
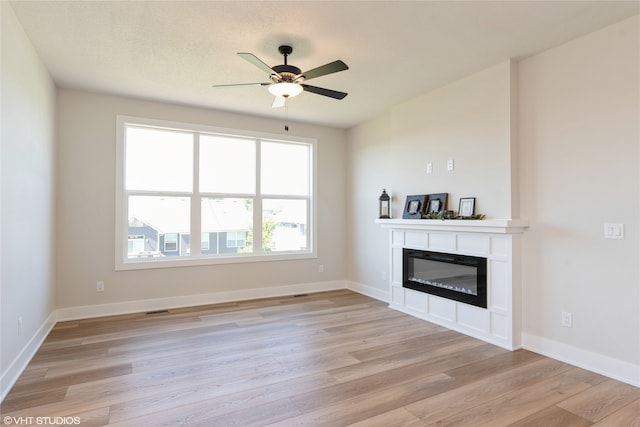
(461, 278)
(496, 319)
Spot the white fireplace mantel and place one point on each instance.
(496, 226)
(497, 240)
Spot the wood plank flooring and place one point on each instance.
(327, 359)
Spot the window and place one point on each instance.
(171, 242)
(237, 196)
(236, 239)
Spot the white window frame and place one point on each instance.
(195, 257)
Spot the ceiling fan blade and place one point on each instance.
(332, 67)
(326, 92)
(258, 63)
(278, 102)
(243, 84)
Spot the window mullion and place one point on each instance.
(124, 232)
(196, 210)
(257, 205)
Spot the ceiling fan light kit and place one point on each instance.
(285, 90)
(287, 80)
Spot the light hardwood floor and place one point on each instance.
(327, 359)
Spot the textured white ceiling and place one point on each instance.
(175, 50)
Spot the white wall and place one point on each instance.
(580, 138)
(86, 195)
(27, 200)
(469, 121)
(369, 172)
(554, 140)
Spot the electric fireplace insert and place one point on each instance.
(461, 278)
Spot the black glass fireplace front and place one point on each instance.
(461, 278)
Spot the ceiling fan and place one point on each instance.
(287, 81)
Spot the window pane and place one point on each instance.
(228, 221)
(285, 168)
(227, 165)
(162, 223)
(158, 160)
(284, 225)
(136, 245)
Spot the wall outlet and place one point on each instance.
(449, 165)
(429, 167)
(614, 231)
(566, 319)
(100, 286)
(19, 325)
(321, 268)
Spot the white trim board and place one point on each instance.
(369, 291)
(20, 363)
(594, 362)
(139, 306)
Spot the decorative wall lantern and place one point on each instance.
(385, 205)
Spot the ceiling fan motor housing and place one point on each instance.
(288, 73)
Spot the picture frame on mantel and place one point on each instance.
(414, 206)
(467, 207)
(436, 203)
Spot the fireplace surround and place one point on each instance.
(495, 240)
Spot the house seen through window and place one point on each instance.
(201, 195)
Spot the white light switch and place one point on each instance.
(614, 231)
(449, 165)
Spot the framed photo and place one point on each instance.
(414, 206)
(467, 206)
(434, 206)
(436, 203)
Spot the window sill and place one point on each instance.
(192, 262)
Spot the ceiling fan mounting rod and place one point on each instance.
(285, 50)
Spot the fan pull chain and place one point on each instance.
(286, 117)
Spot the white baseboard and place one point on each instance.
(139, 306)
(19, 364)
(369, 291)
(594, 362)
